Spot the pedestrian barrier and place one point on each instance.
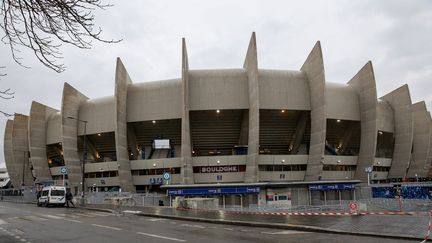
(429, 227)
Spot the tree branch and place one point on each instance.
(44, 25)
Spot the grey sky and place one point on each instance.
(395, 35)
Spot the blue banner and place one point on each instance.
(213, 191)
(330, 187)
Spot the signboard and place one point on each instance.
(213, 191)
(161, 144)
(219, 169)
(63, 170)
(156, 180)
(166, 176)
(331, 187)
(369, 169)
(353, 207)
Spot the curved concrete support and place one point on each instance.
(70, 104)
(12, 167)
(186, 151)
(251, 67)
(314, 70)
(400, 101)
(419, 165)
(39, 115)
(364, 82)
(21, 149)
(429, 161)
(122, 80)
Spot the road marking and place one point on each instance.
(67, 215)
(131, 211)
(51, 216)
(23, 240)
(230, 229)
(33, 218)
(285, 232)
(161, 237)
(193, 226)
(73, 220)
(84, 215)
(101, 214)
(107, 227)
(155, 219)
(2, 222)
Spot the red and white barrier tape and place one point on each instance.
(429, 227)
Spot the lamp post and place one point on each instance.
(84, 157)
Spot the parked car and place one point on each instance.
(52, 195)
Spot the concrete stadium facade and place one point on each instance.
(241, 126)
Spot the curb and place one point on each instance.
(268, 225)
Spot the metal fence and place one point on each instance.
(24, 195)
(127, 199)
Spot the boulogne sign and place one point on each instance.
(219, 169)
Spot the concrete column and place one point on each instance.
(12, 167)
(364, 83)
(420, 164)
(400, 101)
(71, 101)
(251, 67)
(186, 151)
(20, 150)
(122, 80)
(39, 115)
(314, 70)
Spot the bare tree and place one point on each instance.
(44, 25)
(5, 94)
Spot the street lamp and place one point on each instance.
(84, 157)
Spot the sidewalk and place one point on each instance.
(389, 226)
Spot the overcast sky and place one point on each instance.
(395, 35)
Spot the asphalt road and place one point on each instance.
(28, 223)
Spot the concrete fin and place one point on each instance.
(71, 101)
(365, 84)
(21, 149)
(251, 67)
(122, 81)
(400, 101)
(313, 67)
(12, 167)
(39, 115)
(186, 150)
(420, 165)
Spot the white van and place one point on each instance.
(52, 195)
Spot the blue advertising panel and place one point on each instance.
(330, 187)
(213, 191)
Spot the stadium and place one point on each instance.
(246, 135)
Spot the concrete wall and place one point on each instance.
(186, 148)
(12, 167)
(280, 89)
(364, 83)
(39, 115)
(54, 128)
(342, 102)
(71, 101)
(122, 80)
(420, 164)
(156, 100)
(314, 70)
(282, 159)
(251, 67)
(99, 113)
(20, 145)
(385, 117)
(218, 89)
(400, 101)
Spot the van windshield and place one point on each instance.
(57, 193)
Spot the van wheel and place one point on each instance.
(38, 204)
(46, 204)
